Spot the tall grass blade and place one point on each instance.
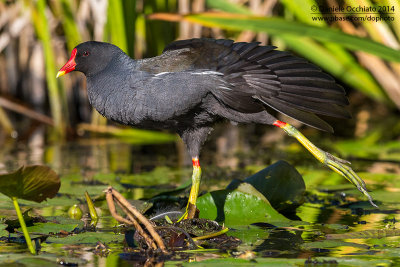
(116, 24)
(278, 27)
(72, 35)
(56, 94)
(396, 14)
(130, 15)
(333, 58)
(321, 56)
(158, 33)
(5, 122)
(228, 6)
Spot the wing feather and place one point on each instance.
(254, 74)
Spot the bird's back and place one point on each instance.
(255, 75)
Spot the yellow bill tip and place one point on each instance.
(60, 73)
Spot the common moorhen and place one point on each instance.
(196, 82)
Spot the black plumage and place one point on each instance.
(196, 82)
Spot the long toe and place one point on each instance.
(340, 166)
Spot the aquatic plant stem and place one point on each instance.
(223, 231)
(92, 210)
(23, 226)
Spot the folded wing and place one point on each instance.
(255, 75)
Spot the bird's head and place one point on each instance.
(90, 58)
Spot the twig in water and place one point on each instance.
(133, 213)
(132, 221)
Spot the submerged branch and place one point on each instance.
(132, 221)
(132, 212)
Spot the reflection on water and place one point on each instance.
(97, 155)
(147, 170)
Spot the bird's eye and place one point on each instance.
(85, 53)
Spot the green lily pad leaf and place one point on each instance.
(250, 235)
(280, 183)
(242, 206)
(332, 244)
(15, 260)
(45, 259)
(3, 231)
(36, 183)
(374, 233)
(287, 262)
(87, 238)
(65, 220)
(49, 227)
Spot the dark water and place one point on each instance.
(142, 171)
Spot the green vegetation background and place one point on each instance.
(39, 35)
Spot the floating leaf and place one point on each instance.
(34, 183)
(44, 259)
(288, 262)
(332, 244)
(375, 233)
(280, 183)
(49, 227)
(87, 238)
(237, 207)
(250, 235)
(3, 231)
(65, 220)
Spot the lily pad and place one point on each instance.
(36, 183)
(250, 235)
(49, 227)
(87, 238)
(45, 259)
(374, 233)
(318, 261)
(3, 231)
(242, 206)
(280, 183)
(332, 244)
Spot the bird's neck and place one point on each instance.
(117, 63)
(107, 88)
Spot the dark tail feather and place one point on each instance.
(303, 116)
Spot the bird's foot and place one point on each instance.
(338, 165)
(342, 167)
(191, 209)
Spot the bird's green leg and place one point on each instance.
(338, 165)
(194, 191)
